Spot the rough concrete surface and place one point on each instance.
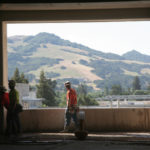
(67, 141)
(96, 119)
(79, 145)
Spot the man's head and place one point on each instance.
(12, 84)
(67, 85)
(2, 89)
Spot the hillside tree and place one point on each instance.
(23, 79)
(148, 87)
(82, 89)
(19, 78)
(16, 76)
(116, 89)
(83, 98)
(46, 90)
(136, 83)
(106, 91)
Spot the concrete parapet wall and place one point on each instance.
(96, 119)
(42, 119)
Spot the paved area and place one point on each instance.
(67, 141)
(78, 145)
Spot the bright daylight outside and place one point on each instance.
(107, 63)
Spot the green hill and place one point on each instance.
(135, 55)
(63, 60)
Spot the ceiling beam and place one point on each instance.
(141, 14)
(75, 6)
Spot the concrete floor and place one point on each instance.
(79, 145)
(98, 136)
(67, 141)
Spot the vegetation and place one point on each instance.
(19, 78)
(83, 98)
(128, 74)
(111, 68)
(46, 90)
(148, 87)
(134, 55)
(116, 90)
(140, 92)
(136, 83)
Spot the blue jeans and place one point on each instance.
(68, 117)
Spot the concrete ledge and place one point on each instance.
(122, 119)
(96, 119)
(37, 120)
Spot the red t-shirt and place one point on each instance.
(71, 94)
(5, 100)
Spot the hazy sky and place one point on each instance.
(115, 37)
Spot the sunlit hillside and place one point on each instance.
(63, 60)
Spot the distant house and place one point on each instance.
(28, 99)
(23, 89)
(32, 102)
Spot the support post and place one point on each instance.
(3, 68)
(118, 103)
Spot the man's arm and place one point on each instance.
(68, 99)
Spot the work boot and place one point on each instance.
(66, 130)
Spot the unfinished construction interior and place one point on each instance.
(52, 119)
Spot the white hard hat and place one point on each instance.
(67, 83)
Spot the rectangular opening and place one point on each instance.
(100, 59)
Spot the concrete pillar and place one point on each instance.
(3, 67)
(3, 55)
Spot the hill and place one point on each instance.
(135, 55)
(64, 60)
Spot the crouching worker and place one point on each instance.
(13, 121)
(71, 111)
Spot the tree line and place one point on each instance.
(46, 89)
(117, 89)
(19, 77)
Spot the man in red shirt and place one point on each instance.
(4, 97)
(71, 111)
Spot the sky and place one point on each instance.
(114, 37)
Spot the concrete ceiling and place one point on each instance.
(61, 1)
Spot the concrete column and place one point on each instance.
(3, 55)
(3, 67)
